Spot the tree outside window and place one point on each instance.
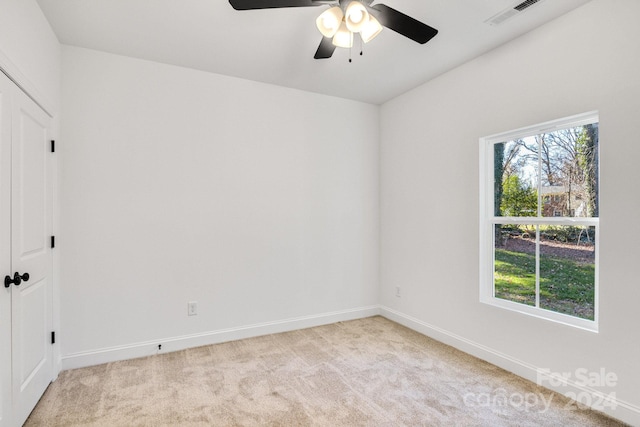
(544, 219)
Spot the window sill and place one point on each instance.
(541, 313)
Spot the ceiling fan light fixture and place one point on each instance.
(343, 18)
(329, 21)
(344, 37)
(356, 16)
(371, 30)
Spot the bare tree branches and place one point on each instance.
(564, 162)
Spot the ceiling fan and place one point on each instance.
(344, 18)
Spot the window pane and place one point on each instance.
(567, 270)
(515, 182)
(515, 263)
(568, 171)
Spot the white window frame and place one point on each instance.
(488, 220)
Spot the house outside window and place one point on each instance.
(539, 227)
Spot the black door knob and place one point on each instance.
(17, 279)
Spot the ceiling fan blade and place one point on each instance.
(272, 4)
(326, 48)
(403, 24)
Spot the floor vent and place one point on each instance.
(509, 12)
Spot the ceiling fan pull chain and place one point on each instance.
(360, 45)
(350, 49)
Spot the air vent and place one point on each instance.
(509, 12)
(525, 4)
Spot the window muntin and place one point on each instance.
(539, 220)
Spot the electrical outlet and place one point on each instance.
(398, 291)
(192, 308)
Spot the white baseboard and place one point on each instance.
(149, 348)
(615, 408)
(618, 409)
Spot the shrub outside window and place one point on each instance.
(539, 225)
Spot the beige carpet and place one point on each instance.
(369, 372)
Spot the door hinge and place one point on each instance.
(53, 146)
(53, 242)
(53, 337)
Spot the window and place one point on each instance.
(539, 225)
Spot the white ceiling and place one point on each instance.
(277, 45)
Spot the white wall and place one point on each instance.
(258, 202)
(29, 51)
(586, 60)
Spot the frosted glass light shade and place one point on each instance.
(344, 37)
(370, 30)
(356, 16)
(329, 21)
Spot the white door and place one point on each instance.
(31, 226)
(5, 250)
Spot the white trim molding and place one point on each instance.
(149, 348)
(612, 406)
(20, 79)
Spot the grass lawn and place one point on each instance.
(566, 285)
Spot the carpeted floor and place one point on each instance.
(368, 372)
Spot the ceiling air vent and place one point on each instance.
(525, 4)
(509, 12)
